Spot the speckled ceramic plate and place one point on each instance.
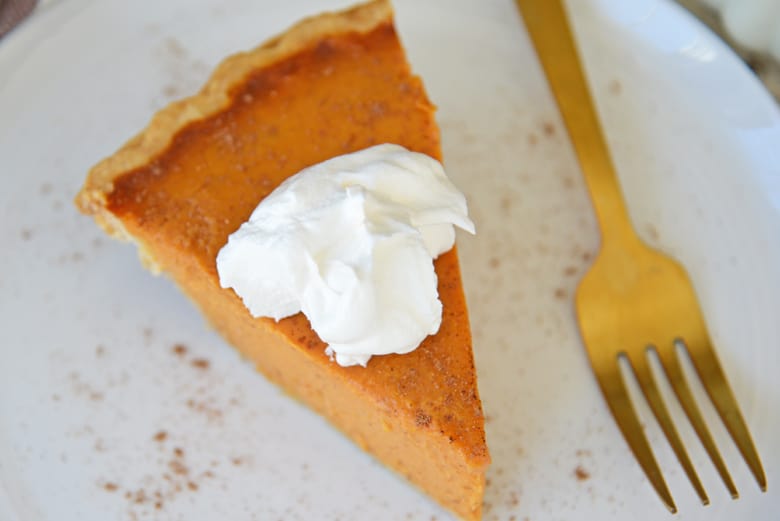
(116, 402)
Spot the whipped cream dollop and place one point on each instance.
(351, 242)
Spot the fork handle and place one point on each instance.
(552, 37)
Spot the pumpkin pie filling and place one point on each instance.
(329, 86)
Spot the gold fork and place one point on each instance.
(634, 302)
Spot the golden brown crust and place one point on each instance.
(213, 97)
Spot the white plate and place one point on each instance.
(87, 372)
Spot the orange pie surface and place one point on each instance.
(330, 85)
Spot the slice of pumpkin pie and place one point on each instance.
(334, 84)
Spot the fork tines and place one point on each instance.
(714, 381)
